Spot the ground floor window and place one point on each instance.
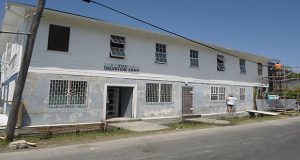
(242, 93)
(156, 92)
(66, 93)
(217, 93)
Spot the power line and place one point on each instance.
(165, 30)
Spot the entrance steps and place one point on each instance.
(121, 119)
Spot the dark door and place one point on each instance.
(187, 100)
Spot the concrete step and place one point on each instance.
(121, 119)
(138, 126)
(207, 120)
(186, 116)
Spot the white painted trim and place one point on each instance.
(134, 97)
(140, 76)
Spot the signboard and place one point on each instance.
(120, 67)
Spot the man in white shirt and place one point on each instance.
(230, 101)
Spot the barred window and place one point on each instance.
(194, 58)
(156, 92)
(259, 69)
(117, 46)
(160, 53)
(242, 66)
(220, 63)
(221, 93)
(242, 93)
(66, 93)
(214, 93)
(217, 93)
(166, 93)
(152, 92)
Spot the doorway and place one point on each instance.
(119, 102)
(187, 100)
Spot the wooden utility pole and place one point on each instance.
(17, 97)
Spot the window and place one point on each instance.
(194, 58)
(259, 69)
(166, 93)
(58, 39)
(242, 66)
(117, 46)
(156, 92)
(152, 90)
(161, 53)
(242, 93)
(220, 63)
(65, 93)
(217, 93)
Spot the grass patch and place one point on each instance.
(67, 138)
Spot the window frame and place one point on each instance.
(218, 92)
(259, 69)
(160, 53)
(63, 95)
(164, 93)
(242, 94)
(117, 47)
(194, 59)
(55, 38)
(221, 63)
(243, 66)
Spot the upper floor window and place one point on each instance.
(259, 69)
(117, 46)
(242, 66)
(220, 63)
(160, 53)
(194, 58)
(59, 37)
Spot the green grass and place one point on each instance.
(68, 138)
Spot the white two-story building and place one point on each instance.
(85, 70)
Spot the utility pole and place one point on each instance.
(20, 83)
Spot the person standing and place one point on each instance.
(230, 101)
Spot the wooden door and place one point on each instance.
(187, 100)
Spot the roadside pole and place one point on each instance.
(20, 83)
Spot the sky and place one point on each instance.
(268, 28)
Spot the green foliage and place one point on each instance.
(293, 75)
(292, 93)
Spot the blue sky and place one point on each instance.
(264, 27)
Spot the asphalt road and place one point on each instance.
(272, 140)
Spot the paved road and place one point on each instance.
(272, 140)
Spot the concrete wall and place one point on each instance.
(38, 112)
(90, 46)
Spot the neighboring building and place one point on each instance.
(85, 70)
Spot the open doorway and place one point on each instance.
(119, 102)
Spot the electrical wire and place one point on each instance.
(165, 30)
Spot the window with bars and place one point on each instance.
(242, 66)
(217, 93)
(156, 92)
(66, 93)
(117, 46)
(220, 63)
(259, 69)
(160, 53)
(152, 90)
(194, 58)
(242, 93)
(58, 39)
(166, 93)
